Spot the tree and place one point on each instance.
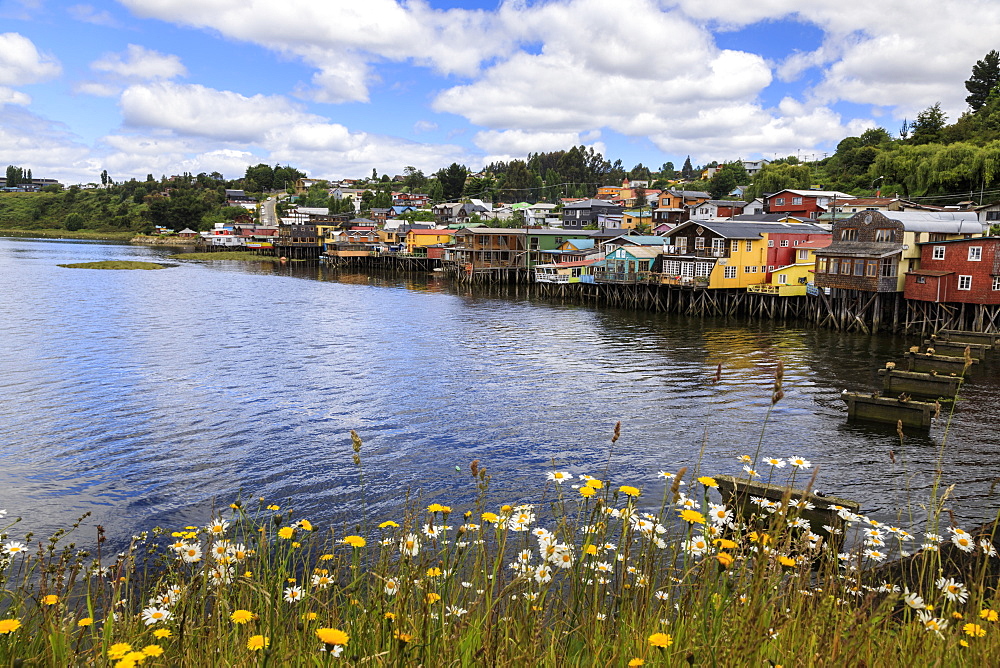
(667, 171)
(874, 137)
(414, 179)
(927, 126)
(452, 181)
(726, 178)
(104, 178)
(985, 77)
(74, 221)
(687, 170)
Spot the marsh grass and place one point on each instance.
(115, 264)
(244, 256)
(580, 571)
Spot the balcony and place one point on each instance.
(698, 252)
(630, 277)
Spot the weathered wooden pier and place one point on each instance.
(890, 410)
(928, 385)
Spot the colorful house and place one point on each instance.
(628, 264)
(959, 270)
(805, 203)
(417, 241)
(794, 279)
(577, 271)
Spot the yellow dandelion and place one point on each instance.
(305, 525)
(152, 650)
(258, 642)
(390, 616)
(692, 516)
(628, 490)
(354, 541)
(636, 662)
(587, 492)
(273, 507)
(332, 636)
(725, 559)
(309, 616)
(119, 650)
(724, 543)
(708, 481)
(595, 483)
(661, 640)
(590, 549)
(86, 621)
(286, 532)
(974, 630)
(387, 524)
(402, 637)
(786, 561)
(988, 615)
(162, 633)
(9, 626)
(50, 599)
(433, 598)
(241, 616)
(326, 557)
(438, 508)
(490, 517)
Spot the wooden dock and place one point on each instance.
(927, 363)
(977, 351)
(886, 410)
(963, 336)
(736, 493)
(932, 385)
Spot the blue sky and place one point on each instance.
(339, 88)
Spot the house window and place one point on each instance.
(731, 273)
(746, 270)
(783, 279)
(872, 268)
(699, 243)
(845, 266)
(834, 265)
(687, 269)
(821, 265)
(996, 282)
(672, 268)
(784, 243)
(770, 267)
(718, 247)
(965, 282)
(884, 235)
(796, 200)
(859, 267)
(770, 243)
(780, 201)
(849, 234)
(749, 246)
(753, 269)
(975, 253)
(921, 279)
(938, 253)
(682, 244)
(888, 268)
(703, 268)
(734, 246)
(803, 254)
(993, 215)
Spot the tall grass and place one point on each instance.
(596, 571)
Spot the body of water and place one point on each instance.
(144, 397)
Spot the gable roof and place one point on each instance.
(749, 230)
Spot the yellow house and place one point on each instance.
(794, 279)
(423, 238)
(632, 219)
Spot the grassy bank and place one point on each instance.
(65, 234)
(114, 264)
(584, 570)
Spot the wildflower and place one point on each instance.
(988, 615)
(708, 481)
(402, 637)
(163, 633)
(875, 555)
(492, 518)
(309, 616)
(913, 600)
(286, 533)
(636, 662)
(543, 574)
(746, 459)
(587, 492)
(410, 546)
(987, 547)
(321, 581)
(332, 636)
(191, 553)
(725, 559)
(724, 543)
(661, 640)
(595, 483)
(433, 598)
(217, 527)
(455, 611)
(435, 572)
(391, 586)
(241, 616)
(974, 630)
(952, 589)
(152, 650)
(14, 547)
(801, 504)
(257, 643)
(305, 525)
(86, 621)
(9, 626)
(628, 490)
(799, 523)
(696, 546)
(799, 462)
(387, 524)
(786, 561)
(752, 473)
(50, 599)
(119, 650)
(154, 615)
(558, 476)
(719, 514)
(354, 541)
(774, 462)
(963, 542)
(273, 507)
(692, 516)
(662, 595)
(434, 508)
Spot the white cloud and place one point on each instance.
(88, 14)
(11, 96)
(140, 64)
(45, 147)
(21, 63)
(424, 126)
(97, 88)
(519, 143)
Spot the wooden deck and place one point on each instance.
(887, 410)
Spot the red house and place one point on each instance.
(804, 203)
(959, 270)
